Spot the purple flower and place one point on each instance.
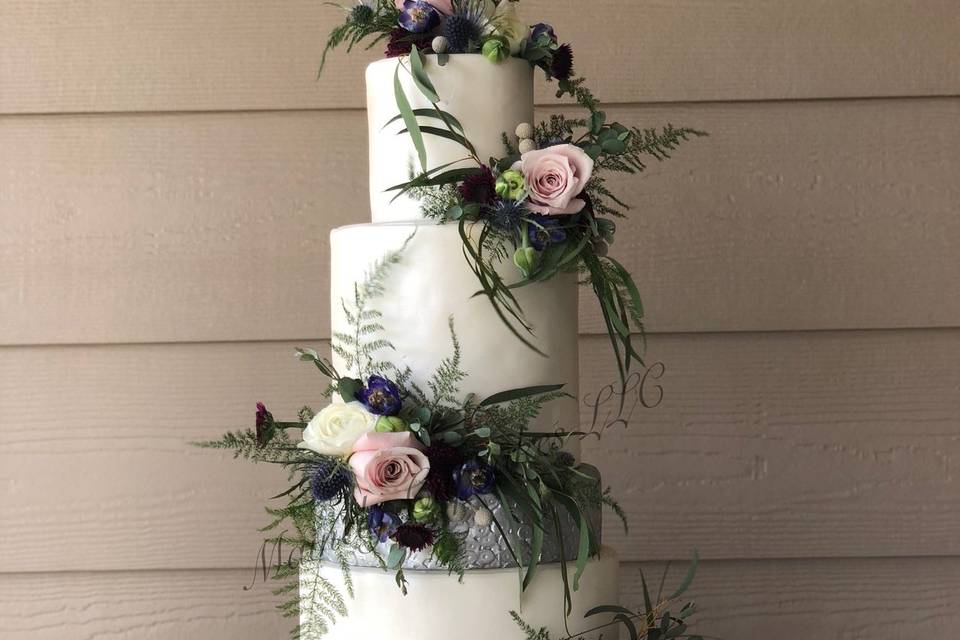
(472, 478)
(419, 16)
(542, 28)
(383, 524)
(380, 396)
(548, 232)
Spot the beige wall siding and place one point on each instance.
(168, 176)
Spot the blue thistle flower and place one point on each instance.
(506, 215)
(329, 478)
(380, 396)
(473, 478)
(464, 28)
(544, 231)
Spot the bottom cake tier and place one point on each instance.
(438, 607)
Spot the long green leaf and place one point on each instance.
(409, 119)
(631, 286)
(687, 579)
(429, 113)
(516, 394)
(420, 77)
(447, 177)
(536, 540)
(444, 133)
(629, 625)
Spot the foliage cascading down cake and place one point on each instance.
(451, 445)
(431, 284)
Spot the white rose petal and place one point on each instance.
(333, 431)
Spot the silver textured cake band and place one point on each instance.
(485, 547)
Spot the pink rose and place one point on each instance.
(555, 176)
(443, 6)
(388, 466)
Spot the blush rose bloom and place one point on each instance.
(555, 177)
(443, 6)
(388, 466)
(334, 430)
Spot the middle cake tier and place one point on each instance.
(433, 283)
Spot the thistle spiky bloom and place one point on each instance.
(329, 479)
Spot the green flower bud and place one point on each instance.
(425, 509)
(390, 424)
(511, 185)
(496, 49)
(526, 259)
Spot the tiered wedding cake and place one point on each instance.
(440, 495)
(432, 284)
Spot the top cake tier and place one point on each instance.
(488, 99)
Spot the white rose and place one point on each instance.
(333, 431)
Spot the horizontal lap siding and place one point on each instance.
(129, 218)
(843, 599)
(178, 228)
(741, 460)
(120, 55)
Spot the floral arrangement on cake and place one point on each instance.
(545, 203)
(383, 470)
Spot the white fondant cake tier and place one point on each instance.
(487, 99)
(438, 607)
(433, 282)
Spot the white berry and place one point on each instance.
(457, 511)
(483, 517)
(440, 44)
(527, 145)
(525, 130)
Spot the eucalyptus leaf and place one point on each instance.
(396, 556)
(437, 114)
(420, 77)
(614, 146)
(348, 388)
(597, 119)
(443, 133)
(409, 119)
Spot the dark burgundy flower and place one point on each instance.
(401, 42)
(265, 425)
(413, 536)
(444, 460)
(380, 396)
(472, 478)
(561, 66)
(479, 187)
